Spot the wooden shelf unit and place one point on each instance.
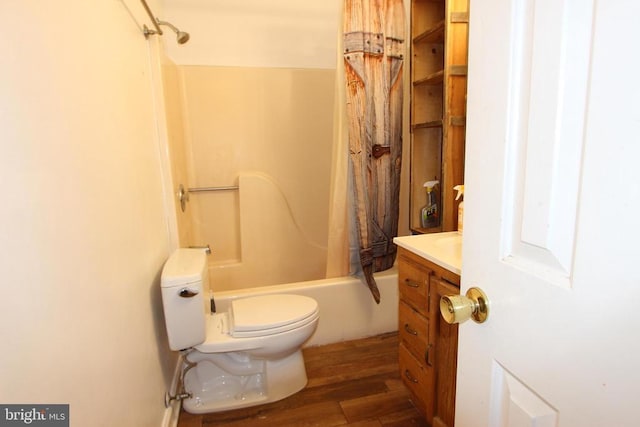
(439, 32)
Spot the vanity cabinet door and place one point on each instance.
(445, 356)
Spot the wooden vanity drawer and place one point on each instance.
(418, 378)
(413, 281)
(413, 330)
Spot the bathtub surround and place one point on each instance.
(267, 131)
(172, 123)
(257, 109)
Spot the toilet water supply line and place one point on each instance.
(181, 393)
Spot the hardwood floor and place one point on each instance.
(353, 383)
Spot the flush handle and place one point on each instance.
(187, 293)
(460, 308)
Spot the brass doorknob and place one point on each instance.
(460, 308)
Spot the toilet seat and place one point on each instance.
(270, 314)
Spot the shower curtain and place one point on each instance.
(372, 49)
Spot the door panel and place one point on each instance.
(547, 92)
(516, 405)
(551, 200)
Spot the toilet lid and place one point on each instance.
(269, 314)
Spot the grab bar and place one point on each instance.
(183, 195)
(203, 189)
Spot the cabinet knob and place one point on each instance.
(410, 330)
(410, 377)
(411, 283)
(460, 308)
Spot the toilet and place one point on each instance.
(246, 356)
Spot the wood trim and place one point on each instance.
(459, 17)
(457, 70)
(458, 121)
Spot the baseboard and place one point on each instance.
(171, 414)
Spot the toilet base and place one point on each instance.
(225, 381)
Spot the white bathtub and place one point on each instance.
(347, 309)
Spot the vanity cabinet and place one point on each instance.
(428, 345)
(439, 33)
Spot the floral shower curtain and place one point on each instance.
(373, 47)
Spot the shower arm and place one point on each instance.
(168, 24)
(181, 36)
(155, 21)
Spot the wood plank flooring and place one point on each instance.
(353, 383)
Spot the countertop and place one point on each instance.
(443, 249)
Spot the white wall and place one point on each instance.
(256, 33)
(83, 222)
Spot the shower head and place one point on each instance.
(181, 36)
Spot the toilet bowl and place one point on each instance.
(248, 355)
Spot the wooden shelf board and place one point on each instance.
(434, 34)
(431, 79)
(431, 124)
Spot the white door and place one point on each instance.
(552, 215)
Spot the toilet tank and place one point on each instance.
(185, 297)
